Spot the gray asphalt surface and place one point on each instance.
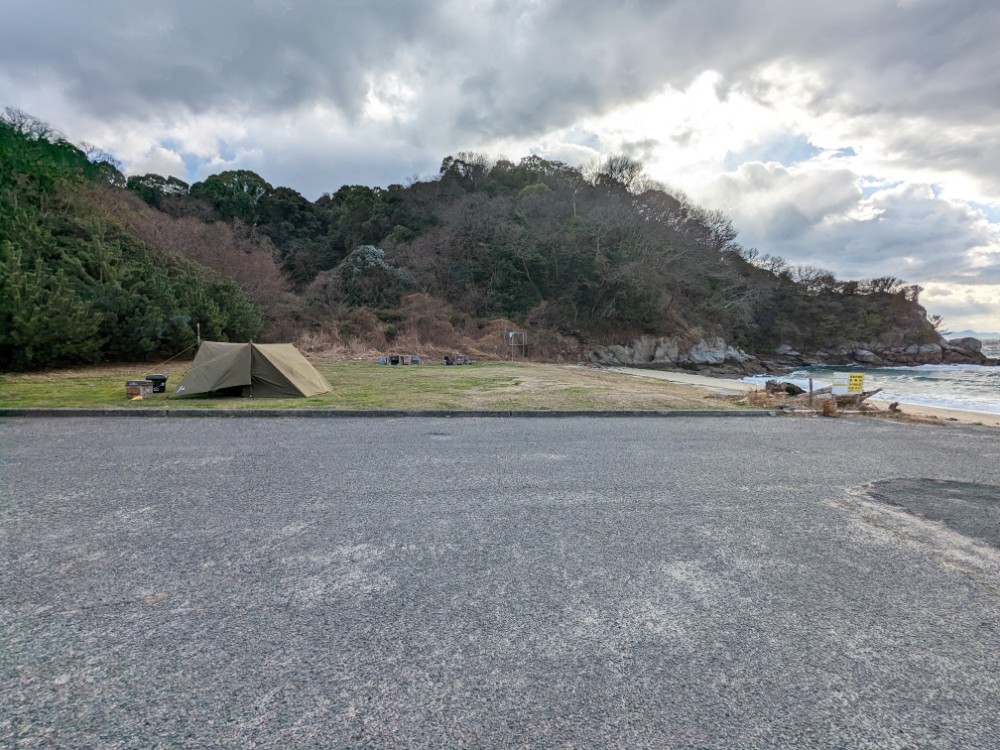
(288, 583)
(969, 508)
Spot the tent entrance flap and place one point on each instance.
(264, 370)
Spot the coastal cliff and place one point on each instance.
(715, 354)
(712, 353)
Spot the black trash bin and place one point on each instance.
(159, 383)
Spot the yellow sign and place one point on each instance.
(848, 382)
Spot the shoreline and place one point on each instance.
(961, 416)
(706, 382)
(727, 387)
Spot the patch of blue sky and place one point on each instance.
(990, 212)
(872, 185)
(192, 164)
(581, 137)
(784, 151)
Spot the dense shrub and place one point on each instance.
(75, 287)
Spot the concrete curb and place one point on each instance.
(380, 413)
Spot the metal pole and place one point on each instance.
(810, 392)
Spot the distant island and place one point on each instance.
(982, 335)
(598, 263)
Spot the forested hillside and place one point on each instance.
(74, 286)
(94, 266)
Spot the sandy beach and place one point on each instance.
(728, 387)
(946, 415)
(715, 385)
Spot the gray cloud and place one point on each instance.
(774, 204)
(908, 233)
(134, 58)
(510, 68)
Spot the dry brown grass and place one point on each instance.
(322, 348)
(430, 328)
(539, 386)
(761, 399)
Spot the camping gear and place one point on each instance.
(256, 370)
(141, 388)
(399, 359)
(159, 383)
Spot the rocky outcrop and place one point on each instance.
(956, 351)
(965, 351)
(966, 342)
(714, 354)
(786, 351)
(711, 353)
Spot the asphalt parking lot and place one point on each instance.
(335, 583)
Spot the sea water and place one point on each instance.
(967, 387)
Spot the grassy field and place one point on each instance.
(362, 385)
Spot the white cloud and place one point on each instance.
(773, 203)
(161, 161)
(962, 306)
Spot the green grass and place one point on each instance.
(369, 386)
(362, 385)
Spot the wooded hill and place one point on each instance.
(94, 266)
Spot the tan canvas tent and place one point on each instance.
(258, 370)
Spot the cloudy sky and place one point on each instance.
(860, 136)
